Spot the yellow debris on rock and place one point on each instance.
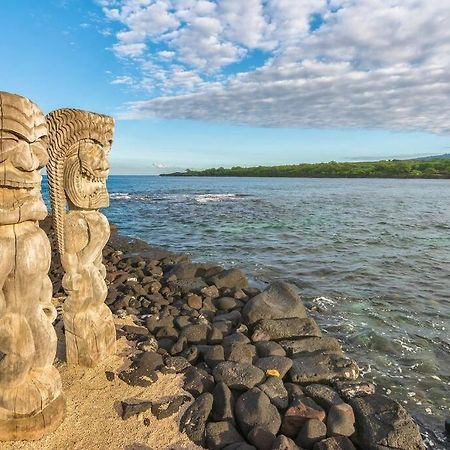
(272, 373)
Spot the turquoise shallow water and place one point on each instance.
(371, 256)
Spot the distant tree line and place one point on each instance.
(427, 168)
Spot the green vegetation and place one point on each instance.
(426, 168)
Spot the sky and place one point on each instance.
(204, 83)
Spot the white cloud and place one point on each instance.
(368, 63)
(122, 80)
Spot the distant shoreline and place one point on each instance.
(395, 169)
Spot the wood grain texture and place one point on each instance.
(79, 145)
(31, 401)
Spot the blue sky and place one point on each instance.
(200, 83)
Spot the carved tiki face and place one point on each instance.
(23, 152)
(86, 167)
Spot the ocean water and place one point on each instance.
(370, 256)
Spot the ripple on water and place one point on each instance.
(371, 257)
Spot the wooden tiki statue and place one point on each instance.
(79, 143)
(31, 400)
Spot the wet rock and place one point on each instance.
(335, 443)
(326, 344)
(254, 409)
(193, 421)
(221, 434)
(232, 278)
(261, 438)
(223, 405)
(352, 389)
(299, 413)
(243, 353)
(237, 375)
(269, 348)
(167, 408)
(279, 301)
(323, 395)
(312, 431)
(280, 363)
(196, 333)
(279, 329)
(275, 390)
(284, 443)
(196, 381)
(133, 407)
(341, 420)
(384, 422)
(316, 367)
(142, 371)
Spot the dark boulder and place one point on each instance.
(279, 329)
(384, 422)
(232, 278)
(221, 434)
(254, 409)
(316, 368)
(279, 301)
(193, 421)
(142, 371)
(279, 363)
(238, 376)
(223, 405)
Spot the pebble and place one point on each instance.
(164, 409)
(194, 301)
(133, 407)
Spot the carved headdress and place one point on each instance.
(73, 175)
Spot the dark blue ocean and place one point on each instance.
(372, 255)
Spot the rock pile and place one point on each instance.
(259, 372)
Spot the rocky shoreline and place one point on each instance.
(258, 372)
